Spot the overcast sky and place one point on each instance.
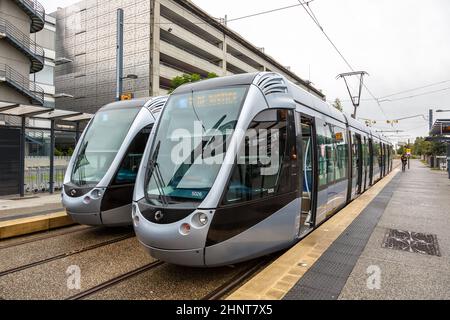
(402, 44)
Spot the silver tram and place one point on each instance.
(99, 181)
(201, 212)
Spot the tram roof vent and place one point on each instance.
(272, 83)
(155, 106)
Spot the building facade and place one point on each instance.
(162, 39)
(20, 56)
(46, 39)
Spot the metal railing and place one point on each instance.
(37, 179)
(34, 8)
(22, 84)
(24, 43)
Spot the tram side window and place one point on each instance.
(322, 139)
(268, 172)
(367, 153)
(130, 164)
(340, 141)
(331, 155)
(381, 155)
(376, 157)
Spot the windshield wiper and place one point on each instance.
(81, 158)
(184, 167)
(155, 170)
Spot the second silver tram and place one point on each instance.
(266, 164)
(100, 177)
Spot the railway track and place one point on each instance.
(65, 255)
(237, 280)
(48, 236)
(217, 294)
(112, 282)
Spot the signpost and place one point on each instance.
(408, 153)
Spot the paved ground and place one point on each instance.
(38, 267)
(356, 255)
(278, 280)
(421, 204)
(416, 201)
(29, 206)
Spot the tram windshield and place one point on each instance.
(191, 143)
(100, 144)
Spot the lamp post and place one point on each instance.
(448, 146)
(119, 57)
(119, 54)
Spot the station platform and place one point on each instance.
(393, 242)
(21, 216)
(31, 205)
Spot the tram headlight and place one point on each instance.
(87, 200)
(203, 218)
(96, 193)
(200, 220)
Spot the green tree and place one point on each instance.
(438, 148)
(58, 153)
(428, 148)
(338, 105)
(188, 78)
(401, 150)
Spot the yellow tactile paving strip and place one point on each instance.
(19, 227)
(278, 278)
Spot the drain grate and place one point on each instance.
(412, 242)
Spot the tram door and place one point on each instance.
(371, 164)
(366, 162)
(356, 165)
(307, 140)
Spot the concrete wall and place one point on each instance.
(14, 14)
(46, 38)
(87, 35)
(10, 95)
(12, 57)
(9, 55)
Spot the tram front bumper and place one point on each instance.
(82, 212)
(189, 258)
(89, 219)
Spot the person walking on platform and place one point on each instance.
(404, 160)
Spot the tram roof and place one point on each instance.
(234, 80)
(299, 94)
(126, 104)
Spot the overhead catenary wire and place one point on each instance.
(408, 90)
(417, 95)
(228, 20)
(313, 17)
(415, 89)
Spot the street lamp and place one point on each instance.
(440, 110)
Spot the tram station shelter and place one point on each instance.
(440, 131)
(13, 140)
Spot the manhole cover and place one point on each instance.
(412, 242)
